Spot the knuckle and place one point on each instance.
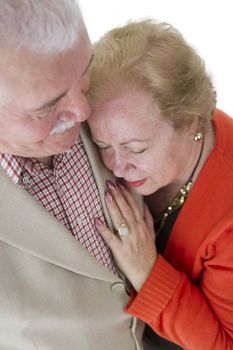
(127, 210)
(105, 231)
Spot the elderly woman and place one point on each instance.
(157, 129)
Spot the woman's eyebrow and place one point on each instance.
(124, 143)
(134, 140)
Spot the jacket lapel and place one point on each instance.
(26, 225)
(100, 172)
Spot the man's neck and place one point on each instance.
(48, 161)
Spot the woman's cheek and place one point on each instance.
(107, 159)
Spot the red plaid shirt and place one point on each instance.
(68, 191)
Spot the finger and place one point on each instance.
(110, 238)
(131, 200)
(148, 218)
(115, 213)
(118, 202)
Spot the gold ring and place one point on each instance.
(123, 230)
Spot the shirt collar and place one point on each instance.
(12, 165)
(15, 166)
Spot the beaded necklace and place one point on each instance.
(181, 196)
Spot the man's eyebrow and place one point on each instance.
(50, 103)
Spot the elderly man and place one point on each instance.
(59, 288)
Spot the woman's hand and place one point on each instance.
(134, 253)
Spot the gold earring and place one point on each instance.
(198, 136)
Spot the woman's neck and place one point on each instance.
(161, 199)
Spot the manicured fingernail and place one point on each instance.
(120, 185)
(110, 185)
(98, 222)
(108, 196)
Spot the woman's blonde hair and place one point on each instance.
(155, 58)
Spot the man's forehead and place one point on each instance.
(25, 75)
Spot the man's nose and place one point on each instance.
(78, 100)
(81, 109)
(77, 108)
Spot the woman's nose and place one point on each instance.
(122, 166)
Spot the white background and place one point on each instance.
(206, 24)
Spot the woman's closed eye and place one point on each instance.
(101, 148)
(139, 151)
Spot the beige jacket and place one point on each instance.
(54, 295)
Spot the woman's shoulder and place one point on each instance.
(223, 125)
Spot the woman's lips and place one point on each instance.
(136, 183)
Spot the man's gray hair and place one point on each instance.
(41, 26)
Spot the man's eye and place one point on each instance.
(43, 114)
(39, 116)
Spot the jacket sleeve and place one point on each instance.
(195, 316)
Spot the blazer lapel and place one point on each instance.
(100, 172)
(26, 225)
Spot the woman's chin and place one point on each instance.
(142, 190)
